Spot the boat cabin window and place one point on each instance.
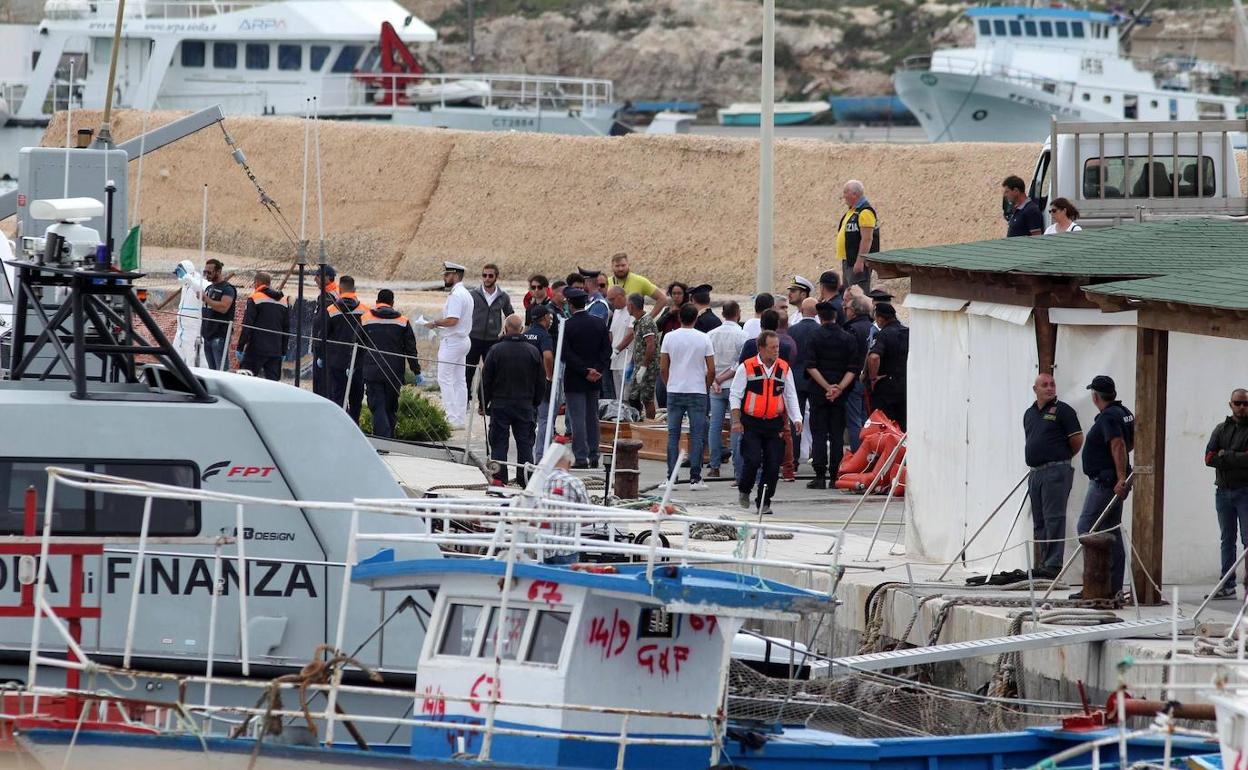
(1016, 28)
(1030, 28)
(548, 634)
(257, 56)
(225, 56)
(512, 635)
(1046, 29)
(78, 512)
(1061, 28)
(1076, 29)
(984, 27)
(370, 60)
(192, 53)
(1130, 106)
(319, 53)
(347, 58)
(461, 629)
(289, 57)
(529, 634)
(998, 27)
(1131, 179)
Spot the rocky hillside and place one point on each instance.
(706, 50)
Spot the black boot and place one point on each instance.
(819, 482)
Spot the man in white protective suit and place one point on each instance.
(453, 329)
(186, 339)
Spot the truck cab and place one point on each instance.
(1133, 171)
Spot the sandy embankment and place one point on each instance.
(399, 200)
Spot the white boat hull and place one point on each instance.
(953, 107)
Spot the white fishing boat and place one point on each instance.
(786, 113)
(1029, 64)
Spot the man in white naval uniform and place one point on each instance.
(454, 326)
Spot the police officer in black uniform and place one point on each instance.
(886, 364)
(832, 363)
(1053, 437)
(1105, 462)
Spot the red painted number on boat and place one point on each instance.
(484, 688)
(699, 622)
(547, 590)
(433, 702)
(611, 634)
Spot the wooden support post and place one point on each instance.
(1046, 340)
(1152, 355)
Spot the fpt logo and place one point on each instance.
(239, 473)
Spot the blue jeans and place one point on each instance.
(214, 350)
(693, 405)
(1094, 504)
(1232, 507)
(855, 414)
(714, 432)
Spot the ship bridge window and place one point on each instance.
(1016, 29)
(1076, 29)
(225, 56)
(529, 634)
(257, 56)
(347, 58)
(192, 53)
(370, 61)
(1046, 29)
(1133, 177)
(1062, 29)
(319, 53)
(1030, 28)
(984, 27)
(289, 57)
(79, 512)
(998, 27)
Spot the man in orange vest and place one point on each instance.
(392, 345)
(762, 394)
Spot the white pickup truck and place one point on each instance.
(1138, 171)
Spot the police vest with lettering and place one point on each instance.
(764, 393)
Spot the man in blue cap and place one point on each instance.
(1105, 462)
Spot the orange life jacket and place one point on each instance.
(764, 394)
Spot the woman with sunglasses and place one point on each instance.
(1064, 215)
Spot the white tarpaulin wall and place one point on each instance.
(937, 440)
(1084, 351)
(963, 457)
(1202, 373)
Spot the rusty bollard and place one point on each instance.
(1096, 565)
(627, 468)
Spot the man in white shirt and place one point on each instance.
(455, 326)
(621, 329)
(762, 394)
(687, 366)
(727, 339)
(762, 303)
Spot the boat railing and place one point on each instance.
(383, 91)
(973, 66)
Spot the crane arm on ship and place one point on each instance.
(399, 68)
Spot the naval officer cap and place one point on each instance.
(879, 295)
(701, 292)
(453, 267)
(802, 283)
(588, 273)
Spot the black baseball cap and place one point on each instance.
(1103, 383)
(538, 312)
(830, 278)
(572, 292)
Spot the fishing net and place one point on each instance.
(869, 706)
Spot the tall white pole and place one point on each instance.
(766, 143)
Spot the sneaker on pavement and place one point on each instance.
(766, 509)
(1225, 592)
(743, 500)
(698, 485)
(712, 473)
